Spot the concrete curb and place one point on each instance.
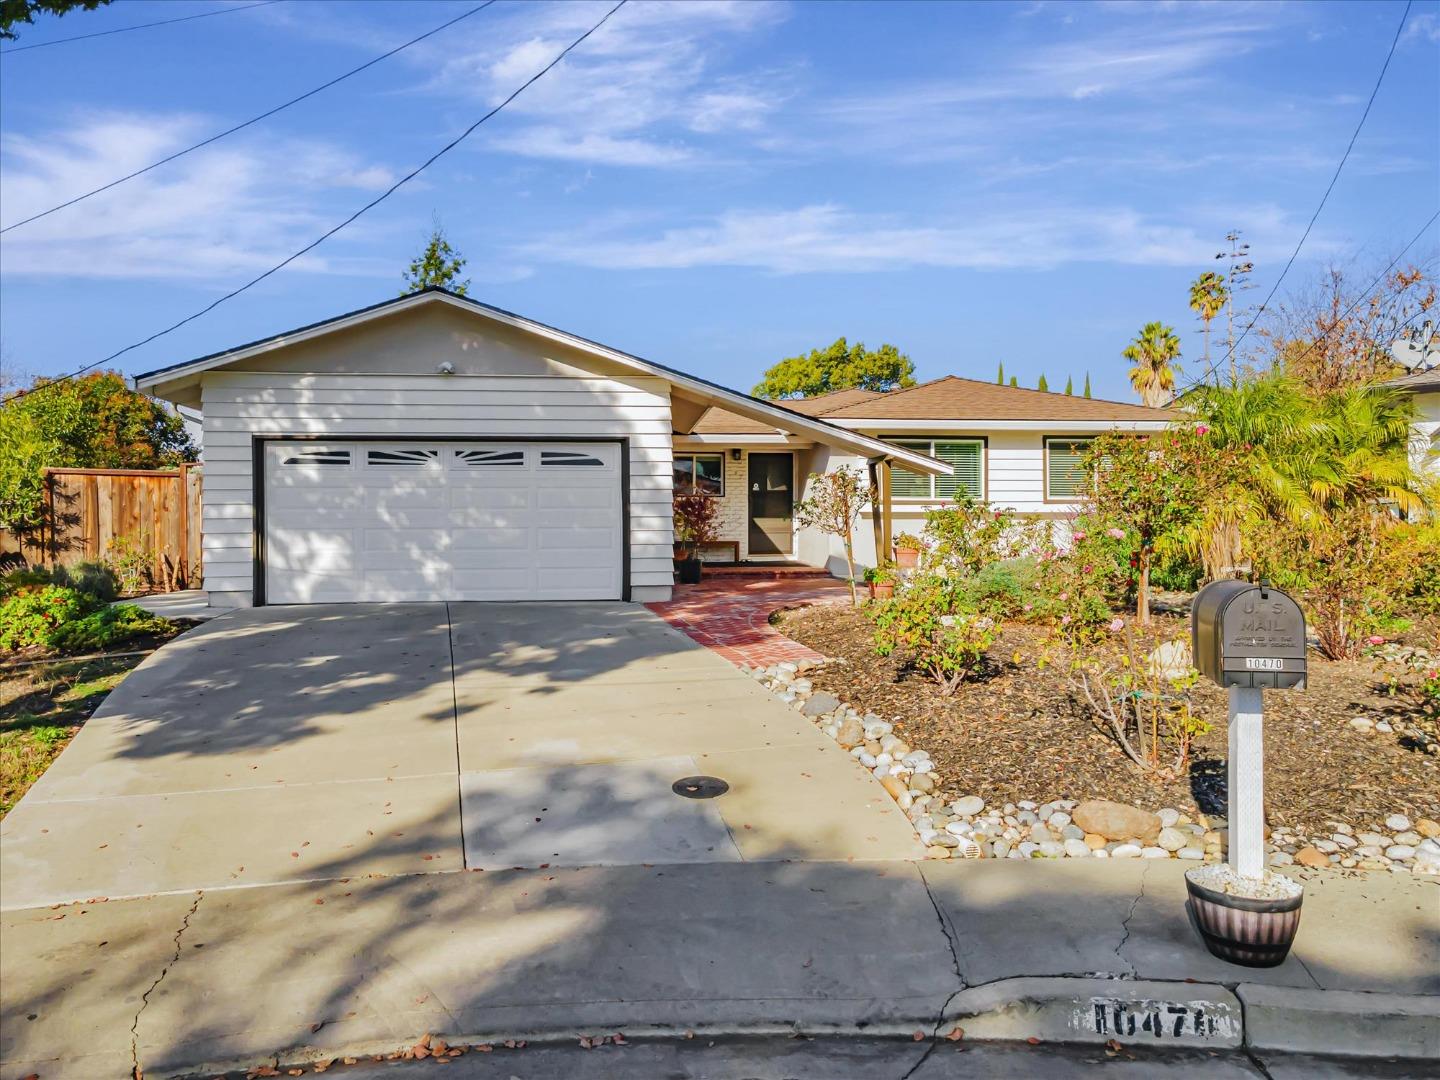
(1345, 1022)
(1079, 1010)
(1062, 1009)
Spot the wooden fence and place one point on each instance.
(87, 510)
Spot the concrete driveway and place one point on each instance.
(312, 743)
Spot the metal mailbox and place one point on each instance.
(1248, 635)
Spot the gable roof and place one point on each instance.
(824, 404)
(713, 393)
(953, 398)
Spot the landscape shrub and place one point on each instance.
(106, 627)
(933, 632)
(969, 535)
(132, 562)
(1002, 589)
(1084, 576)
(1177, 572)
(31, 615)
(92, 578)
(29, 577)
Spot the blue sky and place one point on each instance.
(714, 186)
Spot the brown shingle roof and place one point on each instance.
(824, 404)
(718, 421)
(954, 398)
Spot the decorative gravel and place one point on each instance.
(1222, 879)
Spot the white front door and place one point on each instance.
(372, 521)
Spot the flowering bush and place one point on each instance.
(969, 535)
(1084, 575)
(32, 615)
(946, 642)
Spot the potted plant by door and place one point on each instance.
(881, 580)
(907, 550)
(694, 526)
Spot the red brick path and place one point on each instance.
(732, 617)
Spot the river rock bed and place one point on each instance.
(1066, 828)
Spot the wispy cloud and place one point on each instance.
(643, 91)
(826, 238)
(225, 210)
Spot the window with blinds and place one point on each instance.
(1065, 476)
(966, 456)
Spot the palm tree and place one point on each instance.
(1151, 356)
(1208, 294)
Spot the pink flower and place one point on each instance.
(1064, 620)
(1202, 429)
(1063, 596)
(1376, 639)
(1079, 536)
(1029, 607)
(1116, 625)
(1115, 534)
(1088, 568)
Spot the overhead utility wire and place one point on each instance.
(1366, 292)
(247, 123)
(325, 236)
(141, 26)
(1210, 369)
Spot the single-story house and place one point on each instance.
(1008, 446)
(431, 447)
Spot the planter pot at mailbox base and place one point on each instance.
(1252, 933)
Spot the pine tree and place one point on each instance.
(1087, 384)
(1042, 385)
(1069, 385)
(1014, 381)
(438, 265)
(1000, 374)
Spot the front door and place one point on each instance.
(772, 503)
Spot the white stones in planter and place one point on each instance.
(1067, 829)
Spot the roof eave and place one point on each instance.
(743, 404)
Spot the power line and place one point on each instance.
(140, 26)
(326, 235)
(1366, 292)
(1323, 199)
(247, 123)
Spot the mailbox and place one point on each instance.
(1248, 635)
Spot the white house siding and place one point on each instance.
(1425, 433)
(239, 404)
(1014, 477)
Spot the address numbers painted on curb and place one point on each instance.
(1095, 1010)
(1160, 1020)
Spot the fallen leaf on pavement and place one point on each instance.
(956, 1034)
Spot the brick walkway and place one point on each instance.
(732, 617)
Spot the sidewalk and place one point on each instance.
(1075, 951)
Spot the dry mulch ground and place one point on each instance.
(1018, 732)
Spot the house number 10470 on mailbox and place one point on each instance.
(1250, 636)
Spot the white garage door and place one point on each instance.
(396, 521)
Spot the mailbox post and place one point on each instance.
(1247, 637)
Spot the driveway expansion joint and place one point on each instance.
(136, 1071)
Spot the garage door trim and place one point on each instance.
(257, 474)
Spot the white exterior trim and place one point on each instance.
(959, 427)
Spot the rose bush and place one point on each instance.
(934, 632)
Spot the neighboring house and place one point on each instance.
(1011, 447)
(434, 448)
(1425, 431)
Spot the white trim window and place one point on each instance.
(1065, 477)
(700, 474)
(966, 456)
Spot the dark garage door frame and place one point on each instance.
(257, 475)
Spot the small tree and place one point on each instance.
(438, 265)
(695, 520)
(1042, 385)
(1150, 485)
(1069, 386)
(1086, 392)
(1000, 374)
(833, 507)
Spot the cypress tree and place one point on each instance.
(1014, 381)
(1042, 384)
(1069, 385)
(1087, 384)
(1000, 374)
